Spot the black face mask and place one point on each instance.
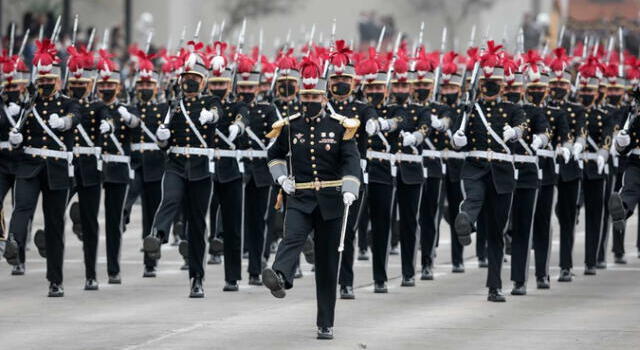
(77, 91)
(401, 97)
(145, 95)
(246, 97)
(190, 86)
(108, 94)
(286, 89)
(600, 98)
(340, 89)
(450, 99)
(12, 96)
(513, 97)
(421, 94)
(46, 89)
(375, 98)
(220, 93)
(586, 99)
(491, 88)
(558, 93)
(311, 109)
(535, 97)
(614, 99)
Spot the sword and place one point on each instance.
(343, 227)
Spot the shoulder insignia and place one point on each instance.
(350, 124)
(276, 128)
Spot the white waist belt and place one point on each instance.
(546, 153)
(525, 159)
(431, 153)
(403, 157)
(114, 158)
(192, 151)
(91, 151)
(452, 154)
(491, 155)
(227, 153)
(5, 145)
(250, 153)
(147, 146)
(635, 151)
(590, 156)
(48, 153)
(380, 155)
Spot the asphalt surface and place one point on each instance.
(451, 312)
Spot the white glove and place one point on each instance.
(566, 154)
(55, 122)
(601, 163)
(508, 133)
(15, 138)
(124, 113)
(348, 198)
(577, 149)
(384, 124)
(536, 143)
(459, 139)
(163, 133)
(105, 127)
(372, 126)
(206, 116)
(408, 139)
(436, 123)
(623, 139)
(234, 129)
(287, 184)
(13, 109)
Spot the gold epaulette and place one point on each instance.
(350, 124)
(276, 128)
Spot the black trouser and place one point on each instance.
(408, 206)
(230, 198)
(89, 204)
(6, 183)
(429, 229)
(135, 190)
(522, 215)
(54, 204)
(151, 195)
(363, 224)
(194, 196)
(594, 211)
(380, 199)
(542, 230)
(566, 210)
(481, 235)
(454, 198)
(618, 236)
(346, 261)
(630, 194)
(610, 182)
(115, 195)
(274, 221)
(298, 226)
(255, 211)
(481, 195)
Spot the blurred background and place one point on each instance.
(358, 21)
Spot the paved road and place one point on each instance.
(601, 312)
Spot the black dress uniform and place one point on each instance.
(227, 187)
(44, 166)
(257, 189)
(187, 178)
(569, 179)
(116, 176)
(599, 136)
(619, 233)
(325, 163)
(147, 161)
(526, 193)
(489, 180)
(88, 167)
(8, 160)
(549, 163)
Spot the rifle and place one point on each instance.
(471, 96)
(396, 47)
(436, 79)
(73, 43)
(464, 70)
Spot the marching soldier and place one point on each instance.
(488, 172)
(115, 128)
(14, 82)
(257, 180)
(187, 178)
(229, 170)
(526, 160)
(147, 160)
(320, 179)
(45, 139)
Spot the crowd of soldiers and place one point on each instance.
(375, 145)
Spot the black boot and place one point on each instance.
(565, 275)
(346, 292)
(496, 296)
(17, 270)
(74, 214)
(325, 333)
(543, 282)
(152, 246)
(427, 274)
(380, 287)
(40, 242)
(254, 280)
(56, 290)
(115, 279)
(590, 270)
(464, 227)
(11, 252)
(519, 289)
(275, 282)
(149, 272)
(617, 212)
(91, 284)
(458, 268)
(196, 288)
(230, 286)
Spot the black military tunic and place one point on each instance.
(187, 176)
(7, 161)
(324, 165)
(49, 174)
